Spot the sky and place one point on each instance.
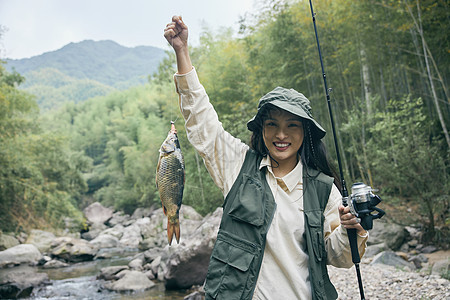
(33, 27)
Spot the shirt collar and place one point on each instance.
(290, 180)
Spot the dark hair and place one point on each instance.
(312, 151)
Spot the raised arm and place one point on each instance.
(176, 33)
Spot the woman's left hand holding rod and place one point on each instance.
(348, 220)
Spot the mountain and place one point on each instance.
(86, 69)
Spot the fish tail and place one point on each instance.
(173, 229)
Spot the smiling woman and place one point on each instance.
(282, 221)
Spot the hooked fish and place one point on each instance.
(170, 181)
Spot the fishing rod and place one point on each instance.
(362, 201)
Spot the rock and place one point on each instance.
(20, 254)
(189, 213)
(155, 265)
(132, 281)
(73, 250)
(7, 241)
(152, 254)
(373, 250)
(197, 295)
(417, 260)
(188, 264)
(150, 275)
(388, 282)
(121, 274)
(154, 232)
(53, 264)
(118, 218)
(105, 241)
(413, 243)
(392, 234)
(144, 225)
(131, 236)
(136, 264)
(108, 273)
(94, 230)
(162, 270)
(41, 239)
(97, 213)
(428, 249)
(116, 231)
(391, 259)
(441, 267)
(22, 237)
(142, 212)
(402, 255)
(104, 253)
(20, 282)
(44, 259)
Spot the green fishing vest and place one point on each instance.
(247, 214)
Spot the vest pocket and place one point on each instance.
(314, 222)
(248, 206)
(228, 269)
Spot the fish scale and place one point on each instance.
(170, 176)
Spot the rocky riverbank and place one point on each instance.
(388, 282)
(395, 266)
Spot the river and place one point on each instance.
(79, 281)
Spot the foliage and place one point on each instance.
(389, 129)
(52, 88)
(407, 160)
(39, 183)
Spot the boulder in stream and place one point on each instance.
(105, 241)
(188, 263)
(19, 282)
(7, 241)
(97, 213)
(132, 281)
(73, 250)
(41, 239)
(109, 273)
(20, 254)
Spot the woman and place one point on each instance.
(283, 221)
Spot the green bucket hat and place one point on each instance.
(289, 100)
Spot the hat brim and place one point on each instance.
(252, 124)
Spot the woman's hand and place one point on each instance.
(348, 220)
(176, 33)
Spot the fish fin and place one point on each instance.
(173, 229)
(169, 232)
(177, 232)
(164, 210)
(157, 171)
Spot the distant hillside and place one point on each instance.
(79, 71)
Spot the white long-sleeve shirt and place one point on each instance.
(284, 270)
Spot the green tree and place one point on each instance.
(410, 163)
(39, 184)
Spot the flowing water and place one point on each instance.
(78, 281)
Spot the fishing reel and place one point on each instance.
(363, 203)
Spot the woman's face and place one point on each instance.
(283, 135)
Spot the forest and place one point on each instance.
(387, 62)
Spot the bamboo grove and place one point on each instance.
(387, 61)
